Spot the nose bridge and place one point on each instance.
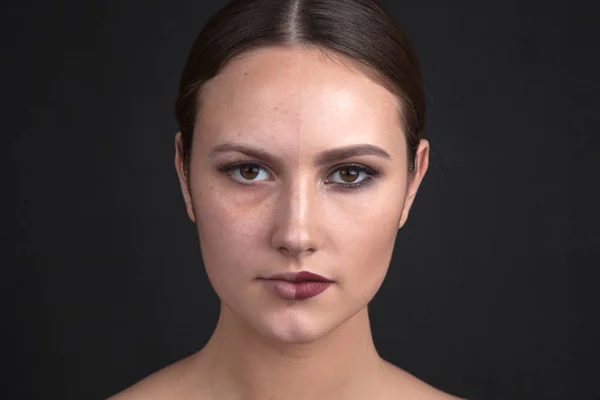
(297, 218)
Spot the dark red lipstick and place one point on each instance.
(296, 285)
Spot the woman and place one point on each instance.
(299, 155)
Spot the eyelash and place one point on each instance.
(372, 173)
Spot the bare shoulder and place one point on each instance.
(406, 386)
(175, 381)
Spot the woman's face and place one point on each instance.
(305, 198)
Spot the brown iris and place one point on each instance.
(249, 172)
(349, 174)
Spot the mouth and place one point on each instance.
(302, 276)
(296, 285)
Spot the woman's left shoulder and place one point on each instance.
(405, 385)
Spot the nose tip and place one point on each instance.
(296, 252)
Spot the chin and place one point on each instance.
(292, 327)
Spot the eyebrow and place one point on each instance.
(325, 157)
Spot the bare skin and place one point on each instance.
(207, 375)
(292, 212)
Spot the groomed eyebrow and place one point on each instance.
(325, 157)
(342, 153)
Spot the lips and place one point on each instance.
(296, 285)
(302, 276)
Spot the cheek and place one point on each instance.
(366, 235)
(372, 242)
(229, 236)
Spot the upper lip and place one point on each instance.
(299, 277)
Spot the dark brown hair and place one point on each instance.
(356, 31)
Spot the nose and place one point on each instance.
(297, 220)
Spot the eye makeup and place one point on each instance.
(369, 174)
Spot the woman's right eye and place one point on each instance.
(245, 172)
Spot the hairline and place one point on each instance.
(343, 60)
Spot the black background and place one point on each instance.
(492, 289)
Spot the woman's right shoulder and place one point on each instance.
(176, 381)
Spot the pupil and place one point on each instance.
(249, 172)
(349, 176)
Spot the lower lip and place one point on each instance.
(296, 290)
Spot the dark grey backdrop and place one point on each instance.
(492, 289)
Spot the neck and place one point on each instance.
(240, 363)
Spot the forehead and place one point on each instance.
(280, 93)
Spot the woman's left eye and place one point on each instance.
(354, 175)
